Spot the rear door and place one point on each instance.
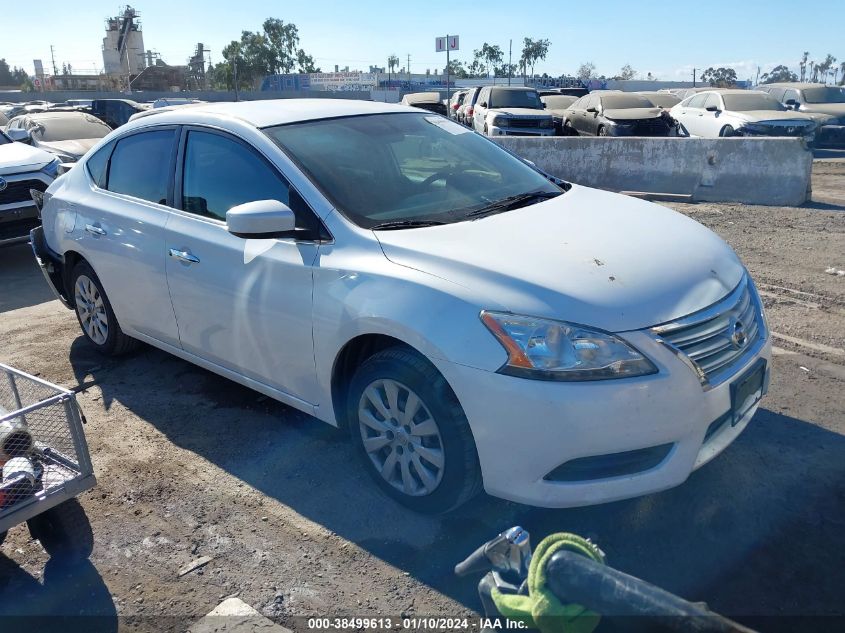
(692, 113)
(120, 224)
(480, 110)
(241, 304)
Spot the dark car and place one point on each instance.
(556, 105)
(824, 104)
(426, 100)
(617, 114)
(115, 112)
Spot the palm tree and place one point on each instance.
(392, 62)
(803, 64)
(842, 71)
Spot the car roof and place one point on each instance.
(269, 112)
(797, 84)
(511, 87)
(56, 114)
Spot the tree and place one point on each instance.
(778, 74)
(392, 62)
(803, 64)
(842, 72)
(586, 71)
(823, 68)
(719, 77)
(282, 41)
(532, 52)
(11, 76)
(305, 63)
(456, 69)
(626, 73)
(490, 55)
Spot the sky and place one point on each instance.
(667, 38)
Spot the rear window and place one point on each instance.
(69, 128)
(751, 101)
(98, 163)
(559, 102)
(824, 95)
(663, 99)
(500, 98)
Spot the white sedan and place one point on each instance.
(720, 113)
(470, 320)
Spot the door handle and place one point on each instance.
(184, 256)
(95, 230)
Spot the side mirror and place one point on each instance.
(20, 135)
(712, 108)
(792, 103)
(260, 219)
(593, 109)
(483, 104)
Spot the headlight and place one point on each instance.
(547, 123)
(52, 168)
(500, 121)
(543, 349)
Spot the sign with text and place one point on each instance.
(448, 43)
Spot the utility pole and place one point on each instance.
(448, 92)
(693, 77)
(510, 60)
(235, 73)
(53, 57)
(409, 72)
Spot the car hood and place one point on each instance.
(629, 114)
(17, 157)
(75, 148)
(833, 109)
(588, 256)
(757, 116)
(521, 112)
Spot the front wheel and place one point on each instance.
(603, 131)
(568, 130)
(726, 131)
(411, 432)
(95, 314)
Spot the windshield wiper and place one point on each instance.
(405, 224)
(513, 202)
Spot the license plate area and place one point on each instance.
(747, 390)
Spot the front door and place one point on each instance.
(242, 304)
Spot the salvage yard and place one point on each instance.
(191, 465)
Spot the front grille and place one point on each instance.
(18, 191)
(651, 127)
(524, 123)
(718, 338)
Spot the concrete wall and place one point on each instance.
(767, 171)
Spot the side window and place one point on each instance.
(698, 100)
(484, 97)
(140, 165)
(791, 94)
(713, 101)
(220, 173)
(97, 164)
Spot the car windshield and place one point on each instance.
(824, 95)
(559, 102)
(70, 128)
(406, 167)
(751, 101)
(623, 102)
(500, 98)
(4, 139)
(663, 100)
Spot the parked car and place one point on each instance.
(469, 320)
(426, 100)
(556, 105)
(511, 111)
(663, 100)
(824, 104)
(67, 135)
(116, 112)
(572, 92)
(174, 101)
(683, 93)
(612, 113)
(454, 103)
(4, 120)
(22, 168)
(467, 109)
(713, 114)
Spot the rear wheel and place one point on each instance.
(411, 432)
(568, 130)
(726, 131)
(603, 131)
(95, 314)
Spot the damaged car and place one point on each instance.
(824, 104)
(615, 113)
(67, 135)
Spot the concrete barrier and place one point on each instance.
(770, 171)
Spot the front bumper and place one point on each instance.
(831, 135)
(525, 429)
(520, 131)
(15, 224)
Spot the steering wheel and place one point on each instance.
(443, 173)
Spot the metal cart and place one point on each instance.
(45, 463)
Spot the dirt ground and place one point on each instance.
(190, 465)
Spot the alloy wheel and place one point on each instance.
(91, 310)
(401, 437)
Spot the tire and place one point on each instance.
(433, 461)
(726, 131)
(95, 314)
(64, 531)
(602, 131)
(568, 130)
(486, 131)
